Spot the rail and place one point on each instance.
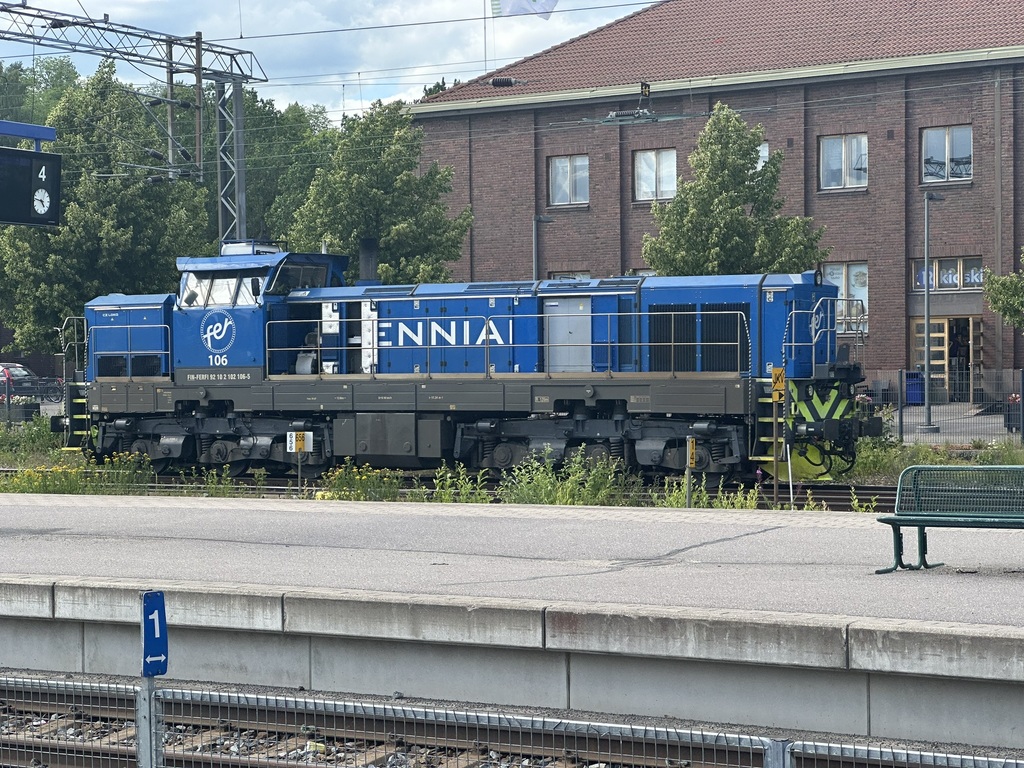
(71, 724)
(73, 348)
(684, 342)
(832, 323)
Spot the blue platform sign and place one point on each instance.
(154, 634)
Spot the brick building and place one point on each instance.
(875, 104)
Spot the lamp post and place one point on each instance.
(538, 219)
(928, 426)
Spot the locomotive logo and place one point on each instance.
(454, 333)
(217, 331)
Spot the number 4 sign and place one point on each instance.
(154, 634)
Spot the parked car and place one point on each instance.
(18, 379)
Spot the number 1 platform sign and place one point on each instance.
(154, 634)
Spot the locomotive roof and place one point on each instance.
(242, 261)
(718, 281)
(122, 300)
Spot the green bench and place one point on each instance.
(953, 497)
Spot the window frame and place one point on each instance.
(969, 277)
(851, 176)
(763, 154)
(659, 168)
(571, 177)
(930, 164)
(850, 288)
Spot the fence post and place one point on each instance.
(1020, 407)
(899, 405)
(778, 754)
(146, 741)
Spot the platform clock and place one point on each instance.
(29, 187)
(45, 187)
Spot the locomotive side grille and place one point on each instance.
(725, 345)
(673, 335)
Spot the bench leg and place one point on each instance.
(897, 551)
(922, 550)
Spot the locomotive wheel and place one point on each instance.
(597, 452)
(275, 469)
(236, 468)
(160, 466)
(504, 455)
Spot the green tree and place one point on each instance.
(118, 232)
(726, 220)
(1005, 294)
(52, 77)
(374, 187)
(317, 141)
(15, 83)
(439, 87)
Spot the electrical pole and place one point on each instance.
(229, 68)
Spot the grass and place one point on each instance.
(579, 480)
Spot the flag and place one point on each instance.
(540, 8)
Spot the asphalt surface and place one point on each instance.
(801, 562)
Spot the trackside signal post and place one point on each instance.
(153, 628)
(299, 442)
(778, 400)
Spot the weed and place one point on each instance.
(581, 480)
(1001, 452)
(348, 482)
(868, 507)
(30, 444)
(810, 505)
(458, 486)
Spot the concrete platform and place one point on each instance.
(765, 618)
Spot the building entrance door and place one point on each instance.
(955, 347)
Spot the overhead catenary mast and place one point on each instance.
(228, 68)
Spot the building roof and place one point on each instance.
(696, 43)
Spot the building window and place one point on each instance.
(569, 274)
(569, 180)
(654, 174)
(962, 274)
(844, 161)
(852, 279)
(947, 153)
(762, 155)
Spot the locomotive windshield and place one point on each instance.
(220, 289)
(293, 275)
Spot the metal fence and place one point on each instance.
(970, 407)
(47, 723)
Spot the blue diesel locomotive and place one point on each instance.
(261, 342)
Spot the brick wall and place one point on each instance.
(501, 169)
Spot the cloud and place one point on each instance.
(343, 54)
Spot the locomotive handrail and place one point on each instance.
(71, 338)
(488, 332)
(823, 325)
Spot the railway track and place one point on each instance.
(830, 496)
(42, 728)
(56, 724)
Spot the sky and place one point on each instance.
(341, 54)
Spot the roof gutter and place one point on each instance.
(663, 87)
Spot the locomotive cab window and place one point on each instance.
(220, 289)
(293, 276)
